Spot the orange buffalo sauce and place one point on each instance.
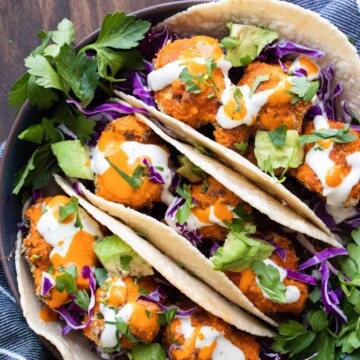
(334, 176)
(247, 278)
(47, 314)
(231, 109)
(221, 212)
(144, 315)
(308, 65)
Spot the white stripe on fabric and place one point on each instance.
(7, 294)
(11, 355)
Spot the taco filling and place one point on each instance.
(99, 285)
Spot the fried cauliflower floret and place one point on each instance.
(278, 110)
(229, 137)
(338, 155)
(200, 318)
(112, 186)
(216, 192)
(246, 281)
(193, 108)
(142, 323)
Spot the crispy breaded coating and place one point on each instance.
(246, 281)
(200, 318)
(194, 109)
(278, 110)
(112, 186)
(229, 137)
(338, 155)
(215, 192)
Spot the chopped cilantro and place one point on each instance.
(256, 84)
(241, 146)
(242, 213)
(82, 299)
(148, 314)
(72, 207)
(166, 317)
(183, 212)
(205, 186)
(278, 135)
(237, 97)
(65, 282)
(71, 270)
(303, 88)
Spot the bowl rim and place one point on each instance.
(181, 5)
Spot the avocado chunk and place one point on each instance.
(239, 252)
(250, 41)
(190, 171)
(73, 159)
(118, 258)
(290, 155)
(148, 352)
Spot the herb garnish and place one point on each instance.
(134, 181)
(268, 168)
(100, 275)
(241, 146)
(205, 186)
(183, 212)
(71, 270)
(256, 84)
(278, 135)
(65, 282)
(340, 136)
(237, 96)
(269, 281)
(303, 88)
(82, 299)
(72, 207)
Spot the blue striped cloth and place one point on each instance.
(17, 341)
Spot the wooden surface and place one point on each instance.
(20, 21)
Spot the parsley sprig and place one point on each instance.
(257, 82)
(72, 207)
(183, 212)
(303, 88)
(341, 136)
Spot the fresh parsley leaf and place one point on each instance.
(79, 72)
(38, 133)
(71, 270)
(269, 281)
(148, 314)
(100, 275)
(143, 291)
(120, 32)
(303, 88)
(134, 181)
(124, 329)
(238, 95)
(315, 295)
(82, 299)
(256, 84)
(341, 136)
(65, 34)
(317, 319)
(51, 269)
(33, 169)
(125, 261)
(39, 96)
(241, 146)
(191, 81)
(242, 213)
(19, 91)
(65, 282)
(278, 135)
(355, 234)
(166, 317)
(229, 43)
(183, 212)
(72, 207)
(46, 75)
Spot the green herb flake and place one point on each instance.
(71, 270)
(238, 95)
(303, 88)
(65, 282)
(134, 181)
(241, 146)
(260, 79)
(205, 186)
(278, 135)
(183, 212)
(82, 299)
(72, 207)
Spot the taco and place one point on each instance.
(209, 221)
(123, 303)
(234, 81)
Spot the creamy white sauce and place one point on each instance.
(224, 349)
(192, 222)
(320, 163)
(158, 158)
(135, 150)
(253, 105)
(340, 214)
(60, 235)
(297, 65)
(165, 76)
(292, 293)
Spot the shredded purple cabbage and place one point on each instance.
(177, 203)
(192, 235)
(72, 320)
(280, 251)
(76, 187)
(113, 109)
(98, 129)
(346, 112)
(323, 255)
(275, 52)
(22, 227)
(214, 248)
(329, 306)
(336, 296)
(300, 72)
(47, 283)
(155, 176)
(304, 278)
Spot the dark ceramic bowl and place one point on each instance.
(17, 153)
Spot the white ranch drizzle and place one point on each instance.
(207, 336)
(296, 65)
(292, 293)
(60, 235)
(320, 163)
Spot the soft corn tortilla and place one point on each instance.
(178, 248)
(292, 23)
(193, 288)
